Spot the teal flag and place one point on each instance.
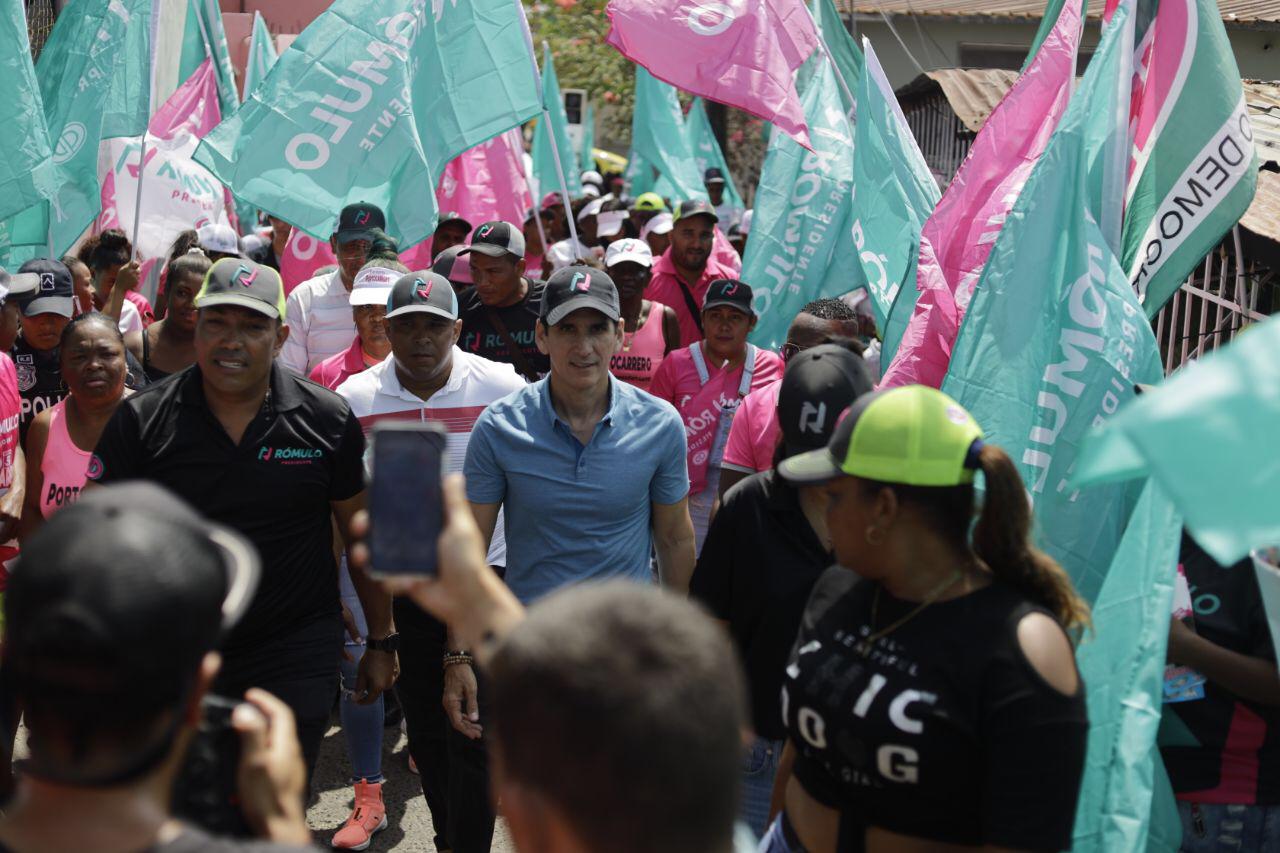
(204, 38)
(1222, 406)
(894, 193)
(90, 85)
(639, 174)
(1194, 163)
(800, 247)
(588, 158)
(262, 55)
(544, 160)
(658, 135)
(27, 172)
(707, 155)
(1122, 662)
(842, 46)
(1054, 338)
(369, 104)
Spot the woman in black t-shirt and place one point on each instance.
(932, 695)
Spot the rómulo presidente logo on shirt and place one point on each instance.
(290, 455)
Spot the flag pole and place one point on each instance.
(537, 202)
(551, 137)
(142, 160)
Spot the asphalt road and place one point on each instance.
(409, 822)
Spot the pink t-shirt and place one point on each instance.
(677, 382)
(754, 434)
(339, 367)
(10, 414)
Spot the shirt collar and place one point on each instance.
(544, 394)
(713, 270)
(354, 361)
(390, 384)
(284, 388)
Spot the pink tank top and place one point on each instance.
(642, 351)
(64, 465)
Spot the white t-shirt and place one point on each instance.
(318, 314)
(130, 319)
(474, 383)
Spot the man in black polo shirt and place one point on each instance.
(257, 448)
(499, 314)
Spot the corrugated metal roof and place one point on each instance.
(1244, 12)
(1263, 216)
(1264, 114)
(974, 92)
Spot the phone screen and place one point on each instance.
(405, 512)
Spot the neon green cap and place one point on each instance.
(914, 435)
(650, 201)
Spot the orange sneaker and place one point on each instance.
(368, 817)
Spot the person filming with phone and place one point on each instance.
(112, 620)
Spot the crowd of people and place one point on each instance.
(693, 594)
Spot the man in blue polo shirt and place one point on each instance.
(590, 471)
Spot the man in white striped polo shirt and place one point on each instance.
(427, 377)
(318, 312)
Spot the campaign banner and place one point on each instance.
(743, 54)
(28, 175)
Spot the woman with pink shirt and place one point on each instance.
(707, 380)
(650, 329)
(61, 439)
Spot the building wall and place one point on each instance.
(936, 44)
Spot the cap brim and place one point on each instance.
(370, 296)
(716, 303)
(577, 304)
(344, 237)
(216, 299)
(642, 260)
(63, 306)
(421, 309)
(244, 570)
(812, 468)
(487, 249)
(710, 181)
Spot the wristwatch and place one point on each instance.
(389, 643)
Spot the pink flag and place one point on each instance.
(723, 253)
(487, 182)
(303, 255)
(958, 236)
(743, 54)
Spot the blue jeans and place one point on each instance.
(759, 765)
(1213, 827)
(361, 724)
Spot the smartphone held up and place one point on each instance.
(406, 511)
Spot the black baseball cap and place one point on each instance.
(423, 292)
(240, 281)
(114, 602)
(452, 267)
(451, 217)
(695, 207)
(819, 384)
(730, 292)
(47, 287)
(713, 176)
(496, 239)
(360, 221)
(571, 288)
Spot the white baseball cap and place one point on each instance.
(636, 251)
(218, 237)
(591, 176)
(590, 191)
(592, 209)
(609, 222)
(660, 224)
(373, 286)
